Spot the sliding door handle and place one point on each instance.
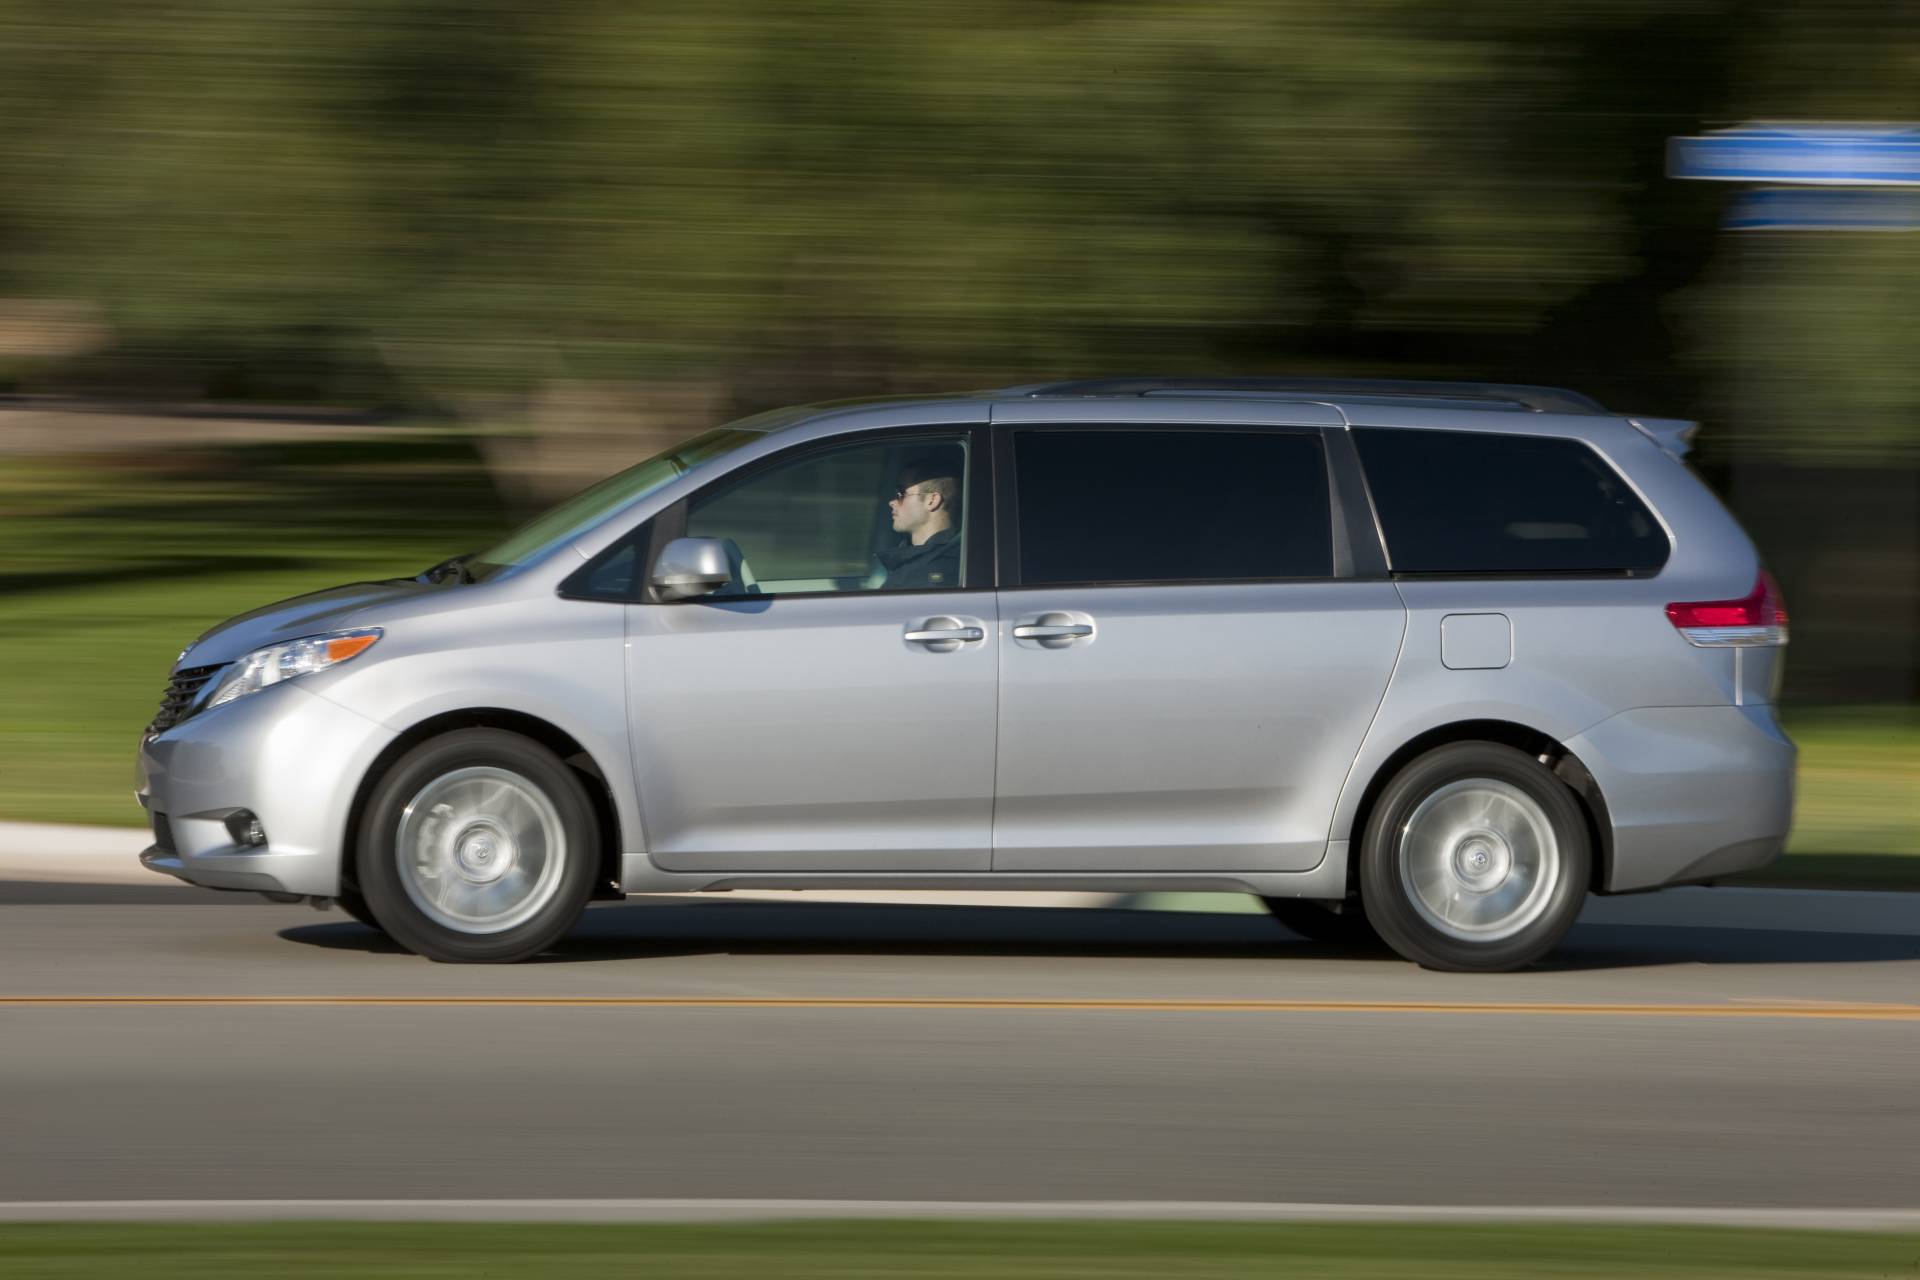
(933, 634)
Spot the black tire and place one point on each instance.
(1497, 828)
(354, 903)
(1348, 928)
(541, 829)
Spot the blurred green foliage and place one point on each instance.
(417, 200)
(429, 209)
(945, 1250)
(109, 567)
(1807, 341)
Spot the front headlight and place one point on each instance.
(291, 658)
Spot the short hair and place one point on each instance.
(932, 476)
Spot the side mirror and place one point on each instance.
(689, 567)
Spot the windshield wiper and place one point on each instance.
(450, 570)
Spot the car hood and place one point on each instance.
(305, 615)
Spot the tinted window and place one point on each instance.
(1460, 502)
(1171, 506)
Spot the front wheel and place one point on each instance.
(478, 846)
(1475, 859)
(354, 903)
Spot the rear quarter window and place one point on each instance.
(1459, 502)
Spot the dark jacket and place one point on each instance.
(934, 563)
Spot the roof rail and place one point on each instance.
(1534, 399)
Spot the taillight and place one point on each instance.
(1757, 618)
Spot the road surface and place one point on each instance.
(694, 1049)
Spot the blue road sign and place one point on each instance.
(1824, 155)
(1824, 209)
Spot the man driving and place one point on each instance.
(924, 507)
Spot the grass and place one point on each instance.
(1857, 813)
(108, 568)
(944, 1251)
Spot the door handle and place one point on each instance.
(933, 635)
(1037, 631)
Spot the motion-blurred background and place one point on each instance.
(294, 293)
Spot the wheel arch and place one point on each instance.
(1544, 747)
(549, 735)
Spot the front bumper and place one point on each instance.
(291, 757)
(1693, 793)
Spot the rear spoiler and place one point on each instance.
(1675, 435)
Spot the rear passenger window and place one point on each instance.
(1462, 502)
(1171, 506)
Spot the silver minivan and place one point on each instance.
(1417, 662)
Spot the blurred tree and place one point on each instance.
(1809, 338)
(1804, 334)
(611, 221)
(481, 199)
(499, 192)
(1801, 338)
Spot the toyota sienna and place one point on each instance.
(1426, 661)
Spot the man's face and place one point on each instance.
(912, 507)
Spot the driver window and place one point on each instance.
(884, 515)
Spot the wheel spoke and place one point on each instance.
(481, 849)
(1479, 859)
(509, 889)
(460, 897)
(1433, 885)
(524, 820)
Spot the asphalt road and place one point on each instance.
(1729, 1067)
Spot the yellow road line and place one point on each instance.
(1744, 1009)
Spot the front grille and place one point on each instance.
(163, 834)
(177, 702)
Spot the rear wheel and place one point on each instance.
(478, 846)
(1475, 859)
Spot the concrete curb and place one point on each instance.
(53, 853)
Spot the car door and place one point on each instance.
(1191, 659)
(832, 707)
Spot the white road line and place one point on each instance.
(667, 1210)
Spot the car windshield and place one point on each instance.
(588, 507)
